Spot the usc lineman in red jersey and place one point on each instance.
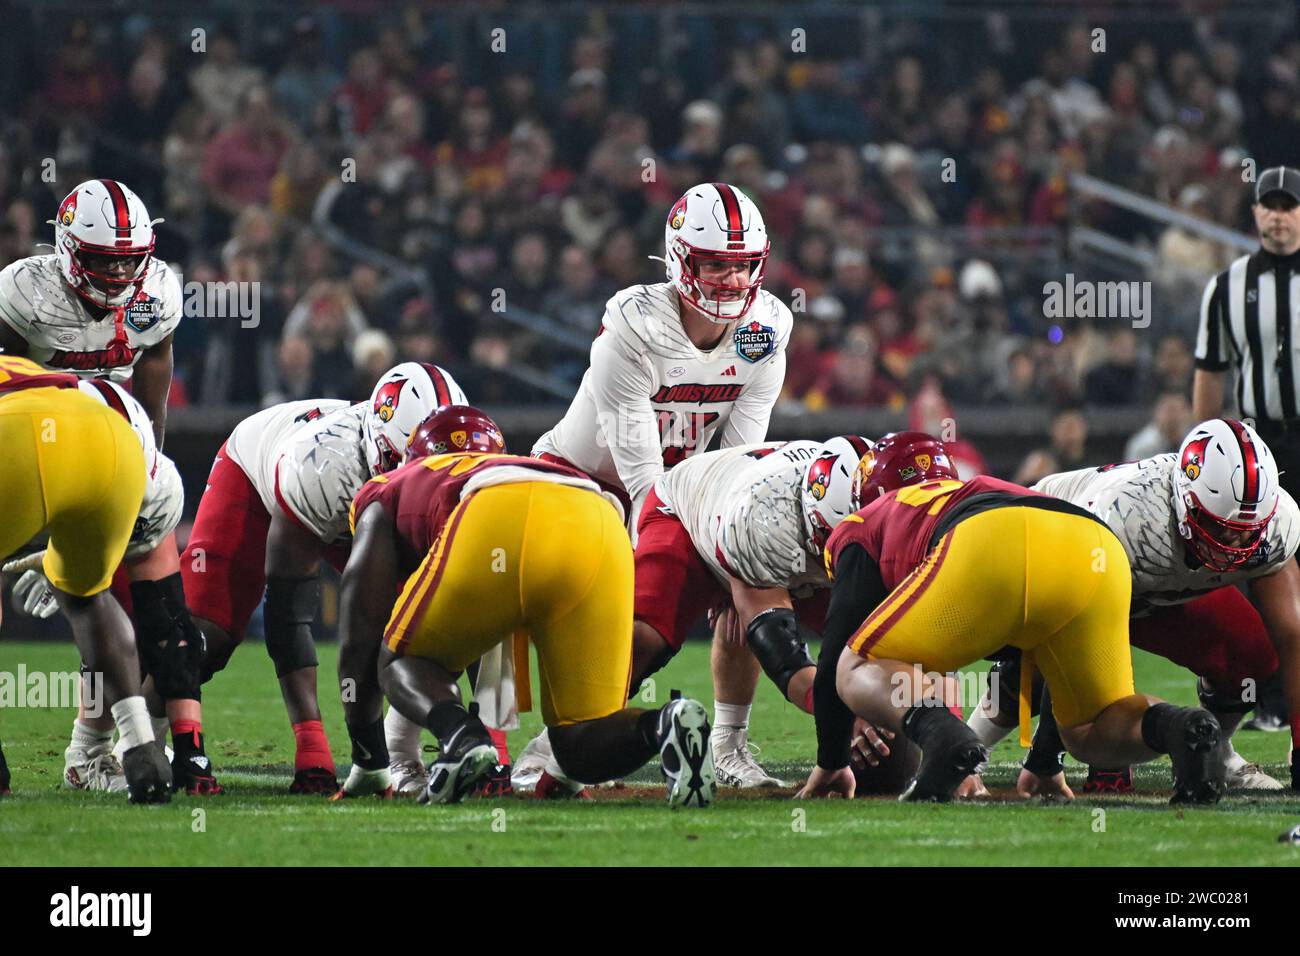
(74, 468)
(495, 547)
(933, 573)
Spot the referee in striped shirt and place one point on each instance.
(1250, 322)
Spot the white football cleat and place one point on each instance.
(1241, 775)
(733, 760)
(93, 768)
(531, 763)
(685, 754)
(408, 776)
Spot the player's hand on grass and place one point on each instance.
(972, 788)
(828, 783)
(366, 783)
(1054, 787)
(870, 744)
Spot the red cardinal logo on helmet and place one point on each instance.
(819, 476)
(68, 211)
(386, 399)
(1194, 457)
(677, 215)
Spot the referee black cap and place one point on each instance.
(1279, 179)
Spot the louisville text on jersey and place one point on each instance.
(90, 361)
(691, 392)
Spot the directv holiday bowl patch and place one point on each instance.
(755, 341)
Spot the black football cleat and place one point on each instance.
(685, 755)
(1196, 749)
(952, 755)
(1109, 781)
(465, 759)
(148, 775)
(314, 781)
(496, 783)
(191, 768)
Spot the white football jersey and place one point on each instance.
(743, 508)
(307, 457)
(160, 512)
(61, 333)
(1136, 500)
(651, 399)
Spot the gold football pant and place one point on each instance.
(1055, 585)
(74, 468)
(551, 561)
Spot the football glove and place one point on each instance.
(33, 594)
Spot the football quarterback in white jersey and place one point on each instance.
(1194, 524)
(275, 505)
(743, 527)
(676, 363)
(152, 594)
(100, 304)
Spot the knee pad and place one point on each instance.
(171, 647)
(291, 605)
(773, 636)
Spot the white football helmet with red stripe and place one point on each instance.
(1225, 492)
(101, 220)
(828, 485)
(715, 221)
(403, 397)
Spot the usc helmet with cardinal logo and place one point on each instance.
(403, 397)
(827, 485)
(1225, 492)
(715, 221)
(103, 218)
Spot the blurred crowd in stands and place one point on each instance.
(336, 159)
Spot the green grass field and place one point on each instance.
(257, 823)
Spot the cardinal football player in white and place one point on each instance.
(100, 304)
(275, 505)
(674, 364)
(742, 527)
(148, 586)
(1194, 524)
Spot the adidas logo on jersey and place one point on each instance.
(731, 370)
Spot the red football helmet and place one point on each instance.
(897, 460)
(452, 429)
